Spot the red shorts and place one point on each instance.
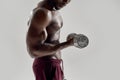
(47, 69)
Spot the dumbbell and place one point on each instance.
(80, 40)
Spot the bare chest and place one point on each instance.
(55, 24)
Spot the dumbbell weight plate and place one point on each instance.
(81, 41)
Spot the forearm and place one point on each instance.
(47, 49)
(61, 46)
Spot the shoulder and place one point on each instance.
(41, 13)
(41, 18)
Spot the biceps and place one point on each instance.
(36, 39)
(41, 39)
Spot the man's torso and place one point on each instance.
(53, 30)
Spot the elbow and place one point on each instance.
(39, 54)
(32, 55)
(36, 54)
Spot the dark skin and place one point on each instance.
(44, 30)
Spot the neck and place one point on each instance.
(47, 4)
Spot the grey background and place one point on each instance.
(98, 19)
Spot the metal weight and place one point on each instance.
(81, 41)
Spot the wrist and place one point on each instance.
(70, 42)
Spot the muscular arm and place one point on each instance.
(37, 35)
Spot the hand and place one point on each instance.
(70, 38)
(70, 41)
